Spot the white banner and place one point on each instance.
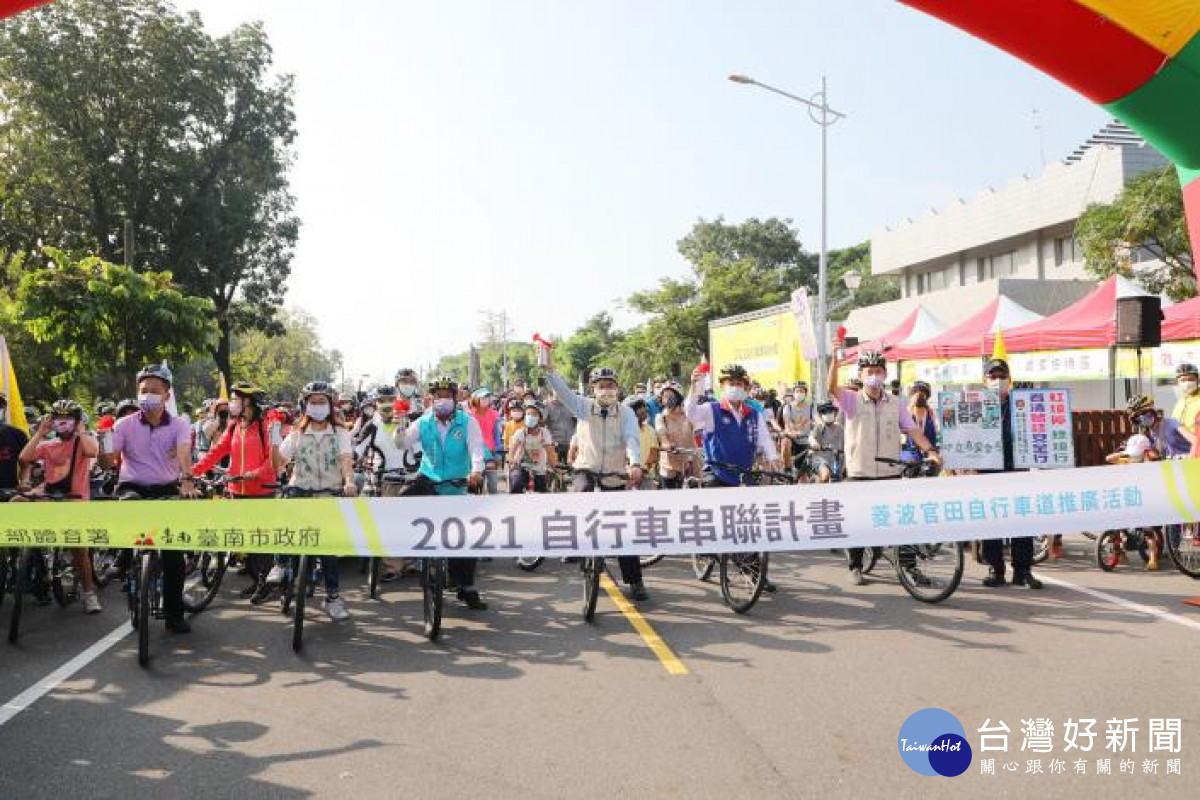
(802, 309)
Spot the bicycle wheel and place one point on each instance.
(742, 578)
(650, 561)
(298, 602)
(1183, 546)
(103, 562)
(433, 584)
(20, 586)
(5, 570)
(62, 579)
(1107, 547)
(202, 585)
(1041, 548)
(373, 580)
(930, 572)
(530, 563)
(703, 565)
(590, 569)
(145, 588)
(870, 559)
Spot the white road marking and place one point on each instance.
(47, 684)
(1112, 598)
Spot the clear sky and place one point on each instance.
(544, 156)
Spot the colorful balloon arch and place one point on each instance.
(1140, 59)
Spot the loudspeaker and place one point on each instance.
(1139, 321)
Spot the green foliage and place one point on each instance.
(282, 364)
(1146, 220)
(115, 110)
(103, 322)
(522, 364)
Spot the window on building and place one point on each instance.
(1065, 251)
(1002, 264)
(980, 270)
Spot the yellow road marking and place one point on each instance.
(655, 642)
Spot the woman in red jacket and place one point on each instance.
(253, 456)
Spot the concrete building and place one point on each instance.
(1017, 240)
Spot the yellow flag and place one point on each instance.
(224, 395)
(8, 386)
(998, 348)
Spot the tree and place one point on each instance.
(522, 364)
(873, 289)
(282, 364)
(104, 322)
(116, 110)
(1141, 235)
(576, 355)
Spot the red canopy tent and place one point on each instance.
(966, 338)
(10, 7)
(1182, 321)
(893, 337)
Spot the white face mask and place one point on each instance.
(443, 407)
(1184, 388)
(829, 418)
(999, 384)
(317, 413)
(151, 402)
(606, 397)
(734, 394)
(407, 389)
(800, 398)
(873, 381)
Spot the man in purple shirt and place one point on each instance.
(155, 453)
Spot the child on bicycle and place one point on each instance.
(1148, 444)
(532, 452)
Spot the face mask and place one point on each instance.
(734, 394)
(997, 383)
(407, 389)
(1184, 388)
(800, 398)
(1145, 420)
(317, 413)
(873, 381)
(641, 395)
(606, 397)
(921, 400)
(443, 407)
(829, 418)
(150, 402)
(532, 420)
(671, 400)
(63, 426)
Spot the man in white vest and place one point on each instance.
(876, 423)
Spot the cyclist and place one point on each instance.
(480, 407)
(451, 445)
(322, 458)
(155, 462)
(733, 431)
(875, 420)
(675, 433)
(514, 421)
(648, 441)
(376, 427)
(918, 406)
(606, 440)
(67, 461)
(826, 442)
(797, 417)
(1163, 433)
(12, 442)
(561, 423)
(105, 415)
(409, 404)
(532, 453)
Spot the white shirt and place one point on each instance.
(701, 417)
(412, 437)
(288, 448)
(392, 457)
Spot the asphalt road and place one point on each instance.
(804, 697)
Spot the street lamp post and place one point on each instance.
(820, 113)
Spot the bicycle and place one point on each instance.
(204, 570)
(742, 575)
(393, 483)
(1111, 544)
(1182, 543)
(929, 572)
(42, 571)
(433, 581)
(298, 574)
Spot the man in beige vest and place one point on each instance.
(876, 422)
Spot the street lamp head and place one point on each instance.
(741, 79)
(853, 280)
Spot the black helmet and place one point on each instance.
(384, 392)
(443, 383)
(734, 372)
(249, 391)
(826, 408)
(127, 405)
(317, 387)
(160, 371)
(1139, 404)
(405, 374)
(1186, 368)
(996, 363)
(603, 374)
(66, 408)
(105, 407)
(920, 386)
(871, 358)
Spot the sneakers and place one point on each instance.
(994, 580)
(637, 591)
(1152, 565)
(91, 603)
(768, 587)
(336, 609)
(275, 575)
(856, 577)
(472, 599)
(1027, 579)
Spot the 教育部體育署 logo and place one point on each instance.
(933, 742)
